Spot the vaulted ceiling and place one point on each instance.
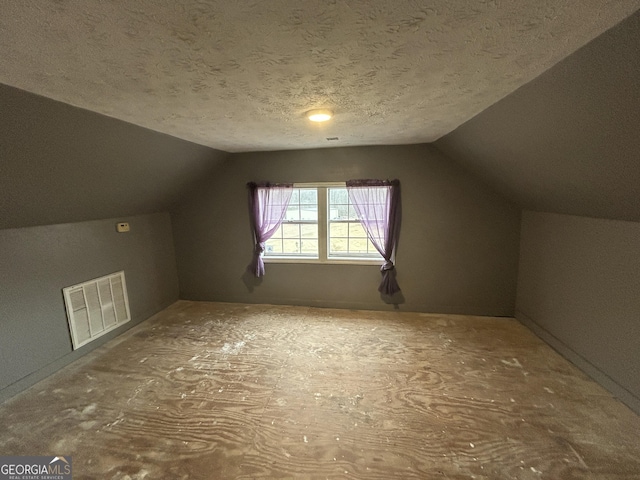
(568, 141)
(239, 76)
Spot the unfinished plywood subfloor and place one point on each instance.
(209, 390)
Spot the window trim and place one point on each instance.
(323, 234)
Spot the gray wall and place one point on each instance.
(458, 247)
(567, 142)
(578, 287)
(37, 262)
(62, 164)
(63, 170)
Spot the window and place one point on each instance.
(298, 234)
(321, 225)
(347, 237)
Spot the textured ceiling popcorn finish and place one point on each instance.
(240, 75)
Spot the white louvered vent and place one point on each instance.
(96, 307)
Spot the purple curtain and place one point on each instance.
(377, 204)
(267, 207)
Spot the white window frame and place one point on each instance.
(323, 234)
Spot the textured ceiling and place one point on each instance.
(239, 75)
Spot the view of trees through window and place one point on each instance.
(302, 236)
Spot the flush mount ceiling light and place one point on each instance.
(319, 115)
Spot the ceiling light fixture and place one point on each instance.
(319, 115)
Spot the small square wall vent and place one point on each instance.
(96, 307)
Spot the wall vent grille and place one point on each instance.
(96, 307)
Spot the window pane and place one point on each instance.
(294, 238)
(308, 196)
(309, 231)
(277, 233)
(357, 245)
(338, 230)
(291, 230)
(352, 213)
(293, 213)
(338, 245)
(309, 247)
(338, 195)
(343, 212)
(349, 240)
(273, 246)
(356, 230)
(309, 213)
(291, 246)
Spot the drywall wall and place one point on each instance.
(568, 141)
(62, 170)
(458, 248)
(578, 287)
(37, 262)
(61, 164)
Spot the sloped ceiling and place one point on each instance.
(569, 141)
(61, 164)
(238, 76)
